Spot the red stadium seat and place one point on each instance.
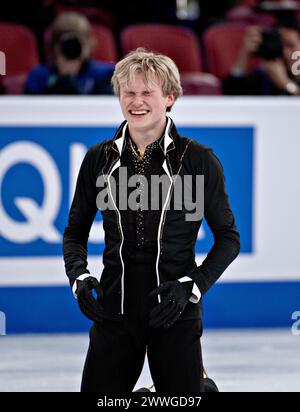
(20, 48)
(250, 3)
(179, 43)
(21, 55)
(13, 84)
(222, 43)
(105, 47)
(201, 84)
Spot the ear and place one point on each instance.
(170, 100)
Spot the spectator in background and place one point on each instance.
(71, 70)
(274, 74)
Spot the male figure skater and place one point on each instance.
(149, 294)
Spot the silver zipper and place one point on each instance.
(120, 230)
(161, 223)
(163, 214)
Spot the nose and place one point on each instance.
(137, 101)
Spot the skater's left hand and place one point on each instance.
(174, 298)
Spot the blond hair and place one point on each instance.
(152, 66)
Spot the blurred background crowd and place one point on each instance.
(232, 47)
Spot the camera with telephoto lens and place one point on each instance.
(70, 46)
(271, 46)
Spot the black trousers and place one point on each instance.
(117, 351)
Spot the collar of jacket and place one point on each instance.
(166, 143)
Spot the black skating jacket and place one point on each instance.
(176, 237)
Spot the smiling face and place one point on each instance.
(144, 105)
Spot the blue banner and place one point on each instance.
(36, 173)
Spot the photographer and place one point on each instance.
(71, 70)
(273, 75)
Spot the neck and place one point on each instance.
(143, 137)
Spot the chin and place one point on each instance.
(139, 122)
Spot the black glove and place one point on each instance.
(90, 306)
(174, 298)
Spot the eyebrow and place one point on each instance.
(144, 91)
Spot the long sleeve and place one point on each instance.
(220, 219)
(81, 216)
(195, 294)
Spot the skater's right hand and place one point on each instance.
(88, 304)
